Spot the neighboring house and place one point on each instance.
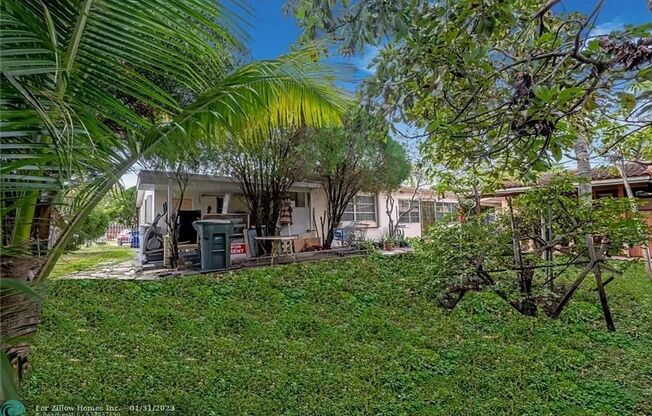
(308, 198)
(606, 182)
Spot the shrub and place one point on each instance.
(521, 252)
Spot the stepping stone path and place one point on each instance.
(129, 270)
(108, 270)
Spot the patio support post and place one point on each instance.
(225, 204)
(169, 200)
(166, 250)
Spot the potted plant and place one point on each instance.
(400, 241)
(389, 242)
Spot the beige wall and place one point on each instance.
(378, 228)
(304, 225)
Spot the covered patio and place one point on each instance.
(216, 197)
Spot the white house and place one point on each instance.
(308, 199)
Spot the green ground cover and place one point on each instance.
(337, 338)
(88, 258)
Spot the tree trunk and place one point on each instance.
(630, 195)
(330, 235)
(389, 210)
(584, 187)
(333, 220)
(19, 313)
(24, 219)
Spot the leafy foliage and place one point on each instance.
(121, 206)
(92, 227)
(521, 84)
(505, 255)
(358, 157)
(79, 112)
(265, 167)
(572, 218)
(91, 87)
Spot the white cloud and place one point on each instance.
(363, 62)
(607, 27)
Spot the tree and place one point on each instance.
(78, 111)
(93, 227)
(265, 166)
(504, 256)
(523, 84)
(417, 181)
(122, 206)
(634, 148)
(359, 157)
(179, 161)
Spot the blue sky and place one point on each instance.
(272, 33)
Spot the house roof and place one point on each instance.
(425, 194)
(151, 179)
(642, 170)
(631, 170)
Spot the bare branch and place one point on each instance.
(547, 6)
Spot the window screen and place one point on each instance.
(407, 215)
(445, 209)
(361, 208)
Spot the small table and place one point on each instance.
(281, 245)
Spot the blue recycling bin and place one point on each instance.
(341, 234)
(135, 240)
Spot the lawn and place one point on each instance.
(337, 338)
(88, 258)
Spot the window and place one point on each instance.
(219, 205)
(361, 208)
(445, 209)
(606, 194)
(300, 199)
(404, 216)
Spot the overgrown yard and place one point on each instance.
(345, 337)
(88, 258)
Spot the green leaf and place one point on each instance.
(8, 378)
(627, 100)
(594, 45)
(567, 94)
(19, 287)
(556, 153)
(543, 93)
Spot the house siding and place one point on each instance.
(307, 220)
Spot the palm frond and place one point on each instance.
(289, 92)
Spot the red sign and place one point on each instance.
(238, 248)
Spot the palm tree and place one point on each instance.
(89, 87)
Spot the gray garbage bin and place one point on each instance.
(215, 243)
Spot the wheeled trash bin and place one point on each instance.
(215, 243)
